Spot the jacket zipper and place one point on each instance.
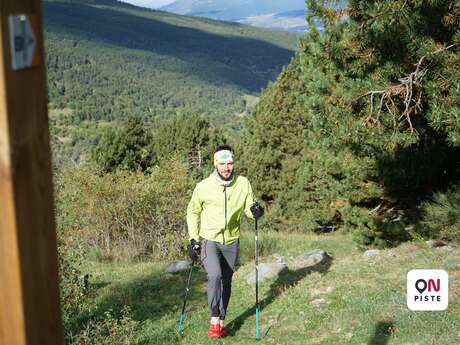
(225, 228)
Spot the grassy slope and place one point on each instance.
(367, 304)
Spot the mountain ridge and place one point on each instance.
(244, 11)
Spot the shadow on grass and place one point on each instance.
(287, 279)
(99, 285)
(382, 333)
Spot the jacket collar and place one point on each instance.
(220, 181)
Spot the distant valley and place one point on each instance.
(286, 15)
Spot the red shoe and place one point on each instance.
(223, 332)
(214, 331)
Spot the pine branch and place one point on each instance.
(408, 90)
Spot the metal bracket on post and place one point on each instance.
(23, 42)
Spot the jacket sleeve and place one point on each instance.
(249, 202)
(193, 215)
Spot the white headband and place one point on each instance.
(223, 156)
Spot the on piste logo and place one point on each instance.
(427, 290)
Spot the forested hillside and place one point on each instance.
(107, 60)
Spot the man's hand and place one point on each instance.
(257, 210)
(194, 250)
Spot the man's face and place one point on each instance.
(225, 169)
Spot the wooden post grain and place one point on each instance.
(29, 295)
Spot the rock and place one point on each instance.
(315, 292)
(311, 258)
(329, 289)
(279, 259)
(435, 243)
(266, 271)
(371, 253)
(391, 254)
(448, 248)
(318, 302)
(178, 266)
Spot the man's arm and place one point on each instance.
(249, 202)
(252, 208)
(193, 216)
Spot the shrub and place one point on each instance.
(108, 329)
(81, 324)
(441, 216)
(73, 297)
(127, 214)
(373, 230)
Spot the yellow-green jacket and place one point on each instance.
(214, 212)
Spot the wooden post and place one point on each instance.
(29, 294)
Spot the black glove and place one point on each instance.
(257, 210)
(194, 250)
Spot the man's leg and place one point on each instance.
(210, 256)
(228, 263)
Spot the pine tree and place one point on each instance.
(376, 96)
(192, 136)
(125, 148)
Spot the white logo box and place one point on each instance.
(427, 290)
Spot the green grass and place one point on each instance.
(367, 304)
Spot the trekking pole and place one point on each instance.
(180, 324)
(257, 277)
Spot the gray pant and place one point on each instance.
(219, 261)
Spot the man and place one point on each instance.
(213, 218)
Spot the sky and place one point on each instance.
(149, 3)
